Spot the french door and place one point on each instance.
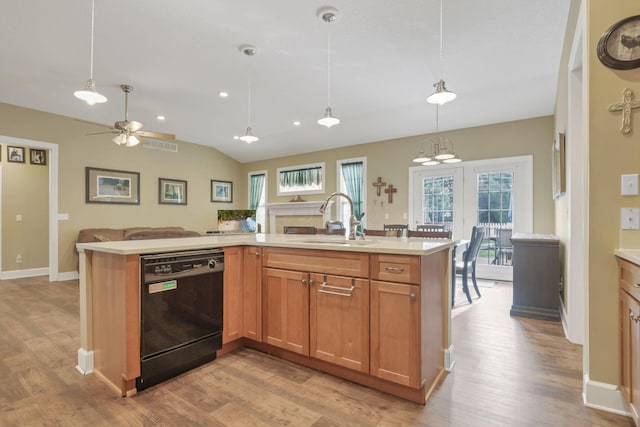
(496, 194)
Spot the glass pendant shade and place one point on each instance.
(126, 140)
(249, 137)
(431, 163)
(452, 160)
(328, 120)
(421, 157)
(90, 95)
(441, 96)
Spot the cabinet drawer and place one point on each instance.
(352, 264)
(396, 268)
(629, 278)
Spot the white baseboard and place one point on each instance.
(30, 272)
(603, 396)
(449, 359)
(68, 275)
(85, 361)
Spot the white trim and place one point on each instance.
(298, 208)
(603, 396)
(85, 361)
(322, 190)
(68, 275)
(30, 272)
(449, 357)
(53, 196)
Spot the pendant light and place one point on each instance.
(328, 15)
(441, 96)
(89, 93)
(421, 157)
(249, 137)
(441, 148)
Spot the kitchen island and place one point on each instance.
(376, 311)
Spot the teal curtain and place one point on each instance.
(352, 174)
(301, 177)
(257, 185)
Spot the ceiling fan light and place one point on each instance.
(90, 95)
(441, 96)
(249, 137)
(328, 120)
(120, 139)
(132, 141)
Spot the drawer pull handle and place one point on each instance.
(398, 269)
(349, 291)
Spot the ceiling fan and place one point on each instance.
(128, 131)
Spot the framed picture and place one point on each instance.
(558, 167)
(38, 157)
(172, 191)
(112, 186)
(15, 154)
(221, 191)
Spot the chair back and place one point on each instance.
(382, 233)
(331, 231)
(477, 234)
(440, 234)
(294, 229)
(504, 238)
(431, 227)
(400, 227)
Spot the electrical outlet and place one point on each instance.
(18, 259)
(18, 218)
(386, 215)
(629, 185)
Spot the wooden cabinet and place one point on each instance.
(629, 312)
(324, 316)
(252, 293)
(232, 294)
(339, 320)
(536, 276)
(395, 332)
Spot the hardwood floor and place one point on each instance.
(509, 372)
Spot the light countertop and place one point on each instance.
(631, 255)
(373, 244)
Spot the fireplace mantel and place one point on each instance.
(295, 208)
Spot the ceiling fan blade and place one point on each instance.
(155, 135)
(101, 133)
(128, 125)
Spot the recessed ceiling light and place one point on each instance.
(296, 123)
(223, 94)
(236, 137)
(160, 117)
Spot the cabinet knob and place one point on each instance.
(257, 254)
(412, 296)
(303, 281)
(311, 282)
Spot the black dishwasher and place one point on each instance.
(181, 313)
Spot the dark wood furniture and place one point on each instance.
(294, 229)
(536, 276)
(399, 227)
(382, 233)
(441, 234)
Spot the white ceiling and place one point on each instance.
(500, 56)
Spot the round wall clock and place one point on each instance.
(619, 47)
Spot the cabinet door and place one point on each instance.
(285, 310)
(630, 351)
(395, 332)
(232, 295)
(339, 320)
(252, 294)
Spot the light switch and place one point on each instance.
(630, 218)
(63, 217)
(629, 186)
(18, 218)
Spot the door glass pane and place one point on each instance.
(495, 213)
(437, 201)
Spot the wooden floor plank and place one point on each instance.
(509, 372)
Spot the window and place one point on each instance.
(351, 177)
(437, 200)
(258, 197)
(494, 198)
(302, 179)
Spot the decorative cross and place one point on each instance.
(379, 184)
(390, 190)
(625, 106)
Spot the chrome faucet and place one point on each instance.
(353, 223)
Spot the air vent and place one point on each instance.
(162, 145)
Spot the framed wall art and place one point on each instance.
(15, 154)
(172, 191)
(558, 166)
(38, 157)
(221, 191)
(112, 186)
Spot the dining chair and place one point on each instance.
(331, 231)
(295, 229)
(383, 233)
(439, 234)
(431, 227)
(401, 227)
(467, 264)
(505, 247)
